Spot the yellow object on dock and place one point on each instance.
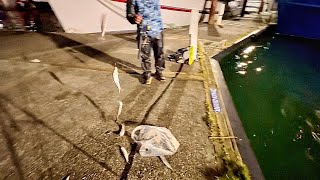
(191, 57)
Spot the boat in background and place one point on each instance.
(105, 16)
(299, 18)
(83, 16)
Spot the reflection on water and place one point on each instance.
(248, 50)
(258, 69)
(275, 85)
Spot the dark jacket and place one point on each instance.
(131, 11)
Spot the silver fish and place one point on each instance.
(315, 136)
(125, 154)
(35, 60)
(119, 109)
(66, 177)
(116, 79)
(165, 162)
(122, 131)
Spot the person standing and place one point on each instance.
(146, 14)
(29, 14)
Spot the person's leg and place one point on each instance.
(212, 11)
(157, 45)
(145, 51)
(221, 7)
(26, 18)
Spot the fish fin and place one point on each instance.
(165, 162)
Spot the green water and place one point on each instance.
(277, 96)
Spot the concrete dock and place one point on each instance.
(58, 105)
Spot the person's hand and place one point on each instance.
(138, 19)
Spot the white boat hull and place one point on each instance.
(92, 16)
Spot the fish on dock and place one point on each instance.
(116, 79)
(125, 154)
(122, 131)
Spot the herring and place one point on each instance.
(122, 131)
(116, 79)
(35, 60)
(125, 154)
(119, 109)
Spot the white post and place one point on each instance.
(193, 33)
(103, 25)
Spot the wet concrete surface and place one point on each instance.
(57, 116)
